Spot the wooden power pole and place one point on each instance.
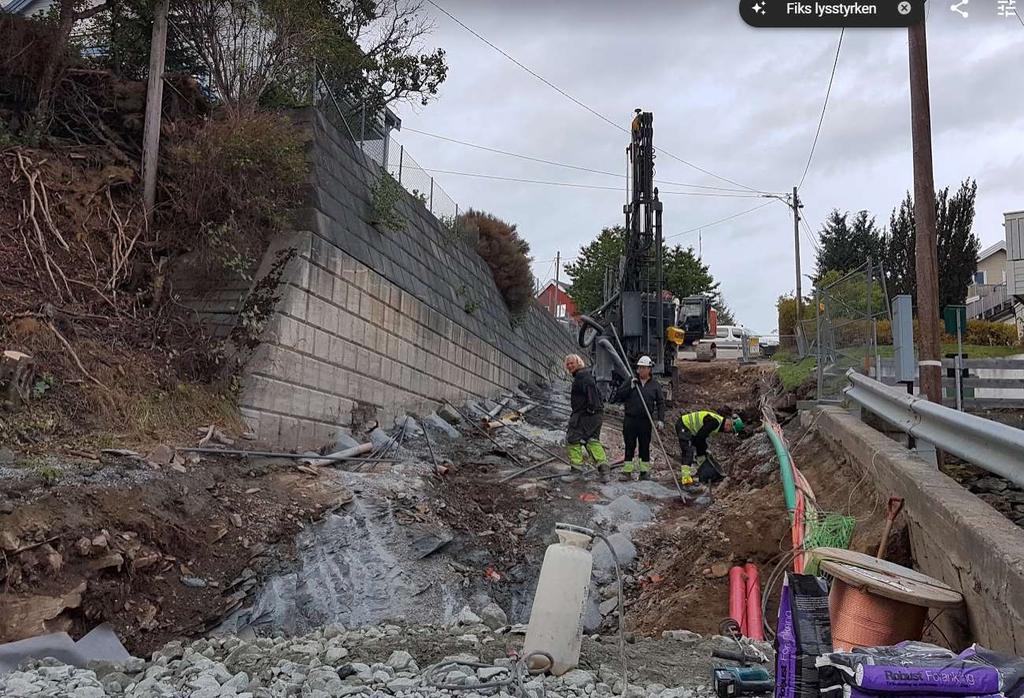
(798, 328)
(154, 105)
(926, 251)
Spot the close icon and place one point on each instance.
(904, 8)
(957, 6)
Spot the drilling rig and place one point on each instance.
(635, 319)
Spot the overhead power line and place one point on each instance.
(572, 99)
(824, 107)
(566, 165)
(721, 220)
(575, 185)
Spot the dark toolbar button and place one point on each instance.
(830, 13)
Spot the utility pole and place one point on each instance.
(798, 328)
(926, 252)
(154, 105)
(558, 265)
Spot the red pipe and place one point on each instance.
(754, 628)
(737, 596)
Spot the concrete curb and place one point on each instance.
(955, 536)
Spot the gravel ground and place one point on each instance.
(378, 662)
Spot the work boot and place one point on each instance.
(602, 471)
(645, 475)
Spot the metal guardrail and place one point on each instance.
(992, 446)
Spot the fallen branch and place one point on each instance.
(71, 350)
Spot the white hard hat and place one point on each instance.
(645, 361)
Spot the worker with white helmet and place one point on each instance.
(636, 425)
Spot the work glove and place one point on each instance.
(661, 426)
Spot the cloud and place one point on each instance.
(739, 102)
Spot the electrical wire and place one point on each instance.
(575, 185)
(721, 220)
(577, 102)
(566, 165)
(824, 107)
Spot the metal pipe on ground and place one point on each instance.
(340, 456)
(483, 431)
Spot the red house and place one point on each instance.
(556, 300)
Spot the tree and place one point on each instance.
(506, 253)
(587, 271)
(365, 48)
(901, 256)
(685, 274)
(957, 245)
(846, 245)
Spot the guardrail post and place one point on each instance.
(927, 452)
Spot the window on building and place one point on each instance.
(979, 277)
(560, 310)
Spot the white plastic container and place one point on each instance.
(556, 619)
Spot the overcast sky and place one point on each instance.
(741, 102)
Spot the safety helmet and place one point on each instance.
(645, 361)
(737, 423)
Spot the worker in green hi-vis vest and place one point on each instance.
(693, 430)
(584, 430)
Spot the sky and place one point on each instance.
(739, 102)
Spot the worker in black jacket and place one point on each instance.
(636, 425)
(693, 430)
(584, 431)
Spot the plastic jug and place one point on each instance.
(556, 619)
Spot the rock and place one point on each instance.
(161, 455)
(335, 655)
(467, 617)
(379, 438)
(608, 606)
(236, 520)
(410, 425)
(488, 673)
(400, 660)
(194, 582)
(471, 639)
(84, 546)
(396, 685)
(6, 506)
(381, 676)
(239, 681)
(9, 542)
(579, 678)
(7, 456)
(450, 415)
(718, 570)
(343, 441)
(493, 616)
(435, 421)
(685, 636)
(991, 484)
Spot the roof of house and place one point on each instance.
(991, 250)
(24, 6)
(561, 285)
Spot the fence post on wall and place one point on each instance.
(431, 194)
(401, 160)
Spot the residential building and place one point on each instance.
(26, 8)
(556, 300)
(987, 298)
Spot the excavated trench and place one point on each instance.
(415, 547)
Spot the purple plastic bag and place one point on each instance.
(952, 677)
(785, 648)
(1010, 668)
(854, 692)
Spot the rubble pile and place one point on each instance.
(377, 661)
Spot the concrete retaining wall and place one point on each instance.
(387, 321)
(954, 535)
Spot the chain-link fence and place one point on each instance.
(371, 128)
(848, 309)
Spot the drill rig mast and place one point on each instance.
(635, 315)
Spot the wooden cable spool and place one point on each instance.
(875, 602)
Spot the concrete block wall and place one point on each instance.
(379, 319)
(954, 535)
